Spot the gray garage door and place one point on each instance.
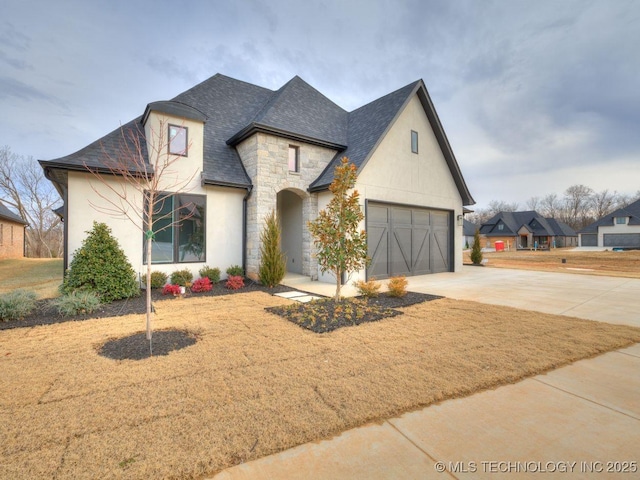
(589, 240)
(629, 240)
(407, 240)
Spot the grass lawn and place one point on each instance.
(42, 275)
(253, 383)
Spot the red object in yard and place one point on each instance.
(499, 246)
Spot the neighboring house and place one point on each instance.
(527, 230)
(253, 150)
(620, 229)
(468, 233)
(12, 234)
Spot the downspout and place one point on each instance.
(244, 228)
(65, 232)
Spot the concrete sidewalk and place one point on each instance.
(578, 420)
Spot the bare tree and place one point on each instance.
(551, 206)
(146, 169)
(533, 203)
(603, 203)
(497, 206)
(577, 199)
(24, 188)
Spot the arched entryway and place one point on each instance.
(289, 206)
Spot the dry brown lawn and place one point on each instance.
(254, 384)
(615, 264)
(41, 275)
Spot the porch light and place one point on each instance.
(460, 220)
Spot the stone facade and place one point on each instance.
(11, 239)
(266, 159)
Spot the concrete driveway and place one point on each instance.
(582, 420)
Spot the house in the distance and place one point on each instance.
(620, 229)
(468, 233)
(12, 234)
(250, 150)
(527, 230)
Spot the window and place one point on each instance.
(294, 159)
(178, 229)
(501, 226)
(414, 141)
(621, 220)
(178, 140)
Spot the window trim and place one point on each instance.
(296, 149)
(414, 134)
(175, 232)
(185, 152)
(619, 222)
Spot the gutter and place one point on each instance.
(244, 228)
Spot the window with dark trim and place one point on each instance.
(414, 141)
(178, 140)
(294, 159)
(621, 220)
(179, 234)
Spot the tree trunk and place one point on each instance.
(148, 292)
(338, 284)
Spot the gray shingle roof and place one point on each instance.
(7, 214)
(532, 220)
(632, 211)
(468, 228)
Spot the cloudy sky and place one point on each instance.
(535, 96)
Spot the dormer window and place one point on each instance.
(501, 226)
(294, 159)
(621, 220)
(178, 140)
(414, 141)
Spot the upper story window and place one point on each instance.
(501, 226)
(294, 159)
(414, 141)
(621, 220)
(178, 140)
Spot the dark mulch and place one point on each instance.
(325, 315)
(46, 314)
(136, 347)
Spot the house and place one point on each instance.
(12, 234)
(468, 233)
(620, 229)
(527, 230)
(249, 150)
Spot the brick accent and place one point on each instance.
(11, 239)
(266, 159)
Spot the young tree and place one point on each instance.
(272, 262)
(341, 248)
(145, 169)
(24, 188)
(476, 249)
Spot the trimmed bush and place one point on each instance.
(201, 285)
(158, 279)
(181, 277)
(170, 289)
(212, 274)
(397, 286)
(17, 304)
(101, 266)
(235, 271)
(234, 282)
(476, 249)
(76, 303)
(369, 289)
(272, 261)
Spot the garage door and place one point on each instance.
(407, 240)
(589, 240)
(629, 240)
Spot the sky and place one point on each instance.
(534, 96)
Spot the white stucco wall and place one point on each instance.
(616, 228)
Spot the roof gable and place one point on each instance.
(632, 211)
(7, 214)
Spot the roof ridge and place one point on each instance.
(412, 84)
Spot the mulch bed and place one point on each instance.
(45, 312)
(326, 315)
(136, 347)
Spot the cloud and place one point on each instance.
(10, 88)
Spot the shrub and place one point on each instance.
(397, 286)
(158, 279)
(476, 249)
(272, 262)
(369, 289)
(101, 266)
(235, 271)
(181, 277)
(212, 274)
(234, 282)
(170, 289)
(16, 305)
(201, 285)
(77, 302)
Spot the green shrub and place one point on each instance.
(76, 303)
(101, 266)
(397, 286)
(476, 249)
(181, 277)
(212, 274)
(272, 262)
(158, 279)
(369, 289)
(16, 305)
(235, 271)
